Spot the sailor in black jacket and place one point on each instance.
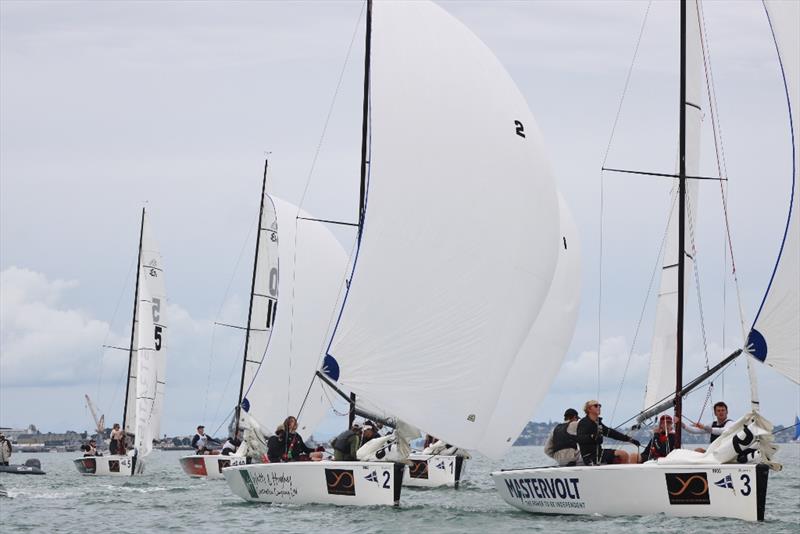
(590, 439)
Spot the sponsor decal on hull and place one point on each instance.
(87, 465)
(546, 492)
(418, 469)
(340, 482)
(688, 488)
(269, 485)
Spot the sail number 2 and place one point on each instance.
(156, 318)
(520, 129)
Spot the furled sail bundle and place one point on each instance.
(459, 240)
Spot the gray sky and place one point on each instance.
(105, 106)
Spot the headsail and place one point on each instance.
(661, 377)
(540, 356)
(150, 345)
(775, 335)
(459, 240)
(313, 268)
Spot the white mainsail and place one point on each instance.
(460, 233)
(661, 377)
(309, 291)
(775, 335)
(264, 299)
(150, 345)
(540, 356)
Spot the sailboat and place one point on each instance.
(797, 429)
(280, 350)
(458, 241)
(730, 478)
(144, 392)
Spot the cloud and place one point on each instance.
(41, 341)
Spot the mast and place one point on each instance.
(365, 121)
(681, 229)
(133, 324)
(252, 293)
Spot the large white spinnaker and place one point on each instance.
(540, 356)
(460, 233)
(661, 376)
(313, 269)
(150, 345)
(775, 335)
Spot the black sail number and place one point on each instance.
(520, 129)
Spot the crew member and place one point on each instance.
(346, 444)
(663, 440)
(590, 439)
(200, 441)
(718, 426)
(562, 443)
(5, 450)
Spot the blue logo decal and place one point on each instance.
(372, 477)
(330, 367)
(440, 465)
(726, 482)
(756, 345)
(246, 405)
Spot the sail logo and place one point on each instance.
(418, 469)
(687, 488)
(340, 482)
(726, 482)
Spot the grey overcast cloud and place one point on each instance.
(106, 107)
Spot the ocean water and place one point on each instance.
(165, 499)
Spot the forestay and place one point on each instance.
(459, 240)
(540, 356)
(150, 345)
(313, 268)
(775, 336)
(661, 377)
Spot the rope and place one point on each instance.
(602, 199)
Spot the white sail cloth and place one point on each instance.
(265, 290)
(460, 235)
(661, 376)
(313, 267)
(540, 356)
(748, 440)
(150, 345)
(775, 336)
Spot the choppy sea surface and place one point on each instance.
(164, 499)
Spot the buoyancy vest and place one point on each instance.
(716, 424)
(563, 439)
(342, 442)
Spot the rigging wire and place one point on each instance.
(108, 333)
(302, 200)
(254, 224)
(602, 188)
(644, 305)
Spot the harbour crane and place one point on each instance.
(100, 423)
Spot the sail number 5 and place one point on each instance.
(156, 318)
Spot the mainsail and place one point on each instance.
(460, 234)
(313, 268)
(150, 345)
(775, 335)
(540, 356)
(661, 377)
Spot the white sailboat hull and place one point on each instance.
(112, 465)
(326, 482)
(209, 465)
(433, 471)
(722, 490)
